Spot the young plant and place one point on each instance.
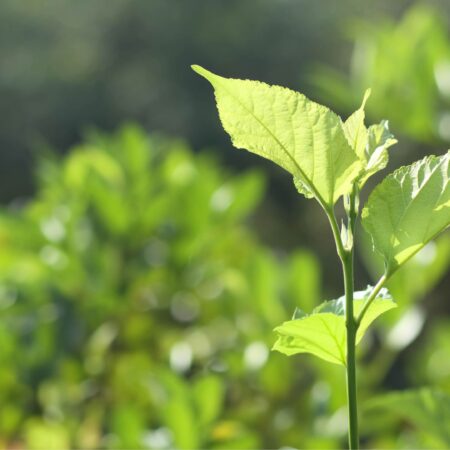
(331, 160)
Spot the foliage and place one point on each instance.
(134, 295)
(126, 62)
(404, 212)
(407, 64)
(427, 409)
(137, 309)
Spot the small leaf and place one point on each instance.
(370, 144)
(303, 188)
(303, 137)
(380, 305)
(408, 209)
(379, 139)
(356, 131)
(323, 332)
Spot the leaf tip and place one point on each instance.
(203, 72)
(366, 97)
(196, 68)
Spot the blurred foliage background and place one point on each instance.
(141, 277)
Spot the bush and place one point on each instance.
(137, 306)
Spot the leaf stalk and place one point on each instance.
(371, 298)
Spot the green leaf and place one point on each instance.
(428, 409)
(370, 144)
(303, 137)
(408, 209)
(323, 332)
(356, 131)
(382, 303)
(379, 139)
(303, 188)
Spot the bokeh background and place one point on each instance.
(144, 262)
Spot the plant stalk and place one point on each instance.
(346, 255)
(352, 327)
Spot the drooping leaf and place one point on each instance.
(427, 409)
(323, 332)
(408, 209)
(303, 137)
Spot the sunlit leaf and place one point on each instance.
(379, 139)
(370, 144)
(382, 304)
(408, 209)
(303, 137)
(323, 332)
(356, 131)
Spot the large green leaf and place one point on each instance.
(303, 137)
(323, 332)
(408, 209)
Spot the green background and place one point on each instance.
(144, 262)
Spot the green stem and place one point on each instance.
(352, 328)
(346, 256)
(351, 325)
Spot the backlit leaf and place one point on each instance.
(370, 144)
(323, 332)
(408, 209)
(379, 139)
(303, 137)
(356, 131)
